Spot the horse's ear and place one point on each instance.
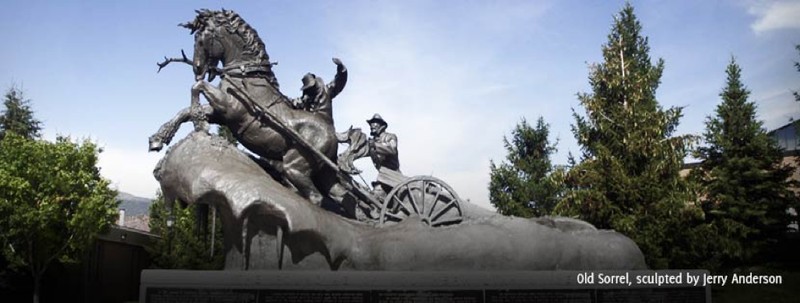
(190, 26)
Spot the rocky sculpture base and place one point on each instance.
(357, 287)
(264, 220)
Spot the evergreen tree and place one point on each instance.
(797, 66)
(628, 178)
(522, 186)
(17, 116)
(746, 189)
(183, 246)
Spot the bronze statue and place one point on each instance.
(382, 145)
(317, 96)
(357, 148)
(222, 36)
(266, 226)
(297, 145)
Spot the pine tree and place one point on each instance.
(18, 116)
(797, 66)
(522, 186)
(628, 178)
(746, 189)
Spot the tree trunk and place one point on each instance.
(37, 282)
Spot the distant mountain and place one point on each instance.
(134, 205)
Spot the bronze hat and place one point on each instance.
(377, 118)
(308, 81)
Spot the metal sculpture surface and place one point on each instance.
(407, 223)
(262, 218)
(383, 145)
(222, 36)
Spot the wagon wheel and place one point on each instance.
(428, 198)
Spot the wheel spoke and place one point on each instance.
(399, 203)
(445, 222)
(422, 204)
(435, 200)
(443, 210)
(413, 201)
(394, 216)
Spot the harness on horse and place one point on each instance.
(264, 115)
(249, 70)
(263, 71)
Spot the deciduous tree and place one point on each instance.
(183, 245)
(53, 202)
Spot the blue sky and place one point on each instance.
(451, 77)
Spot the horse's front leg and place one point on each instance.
(167, 131)
(198, 119)
(214, 95)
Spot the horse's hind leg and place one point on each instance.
(298, 170)
(167, 131)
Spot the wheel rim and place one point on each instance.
(434, 202)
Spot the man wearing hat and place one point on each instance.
(382, 145)
(317, 96)
(314, 93)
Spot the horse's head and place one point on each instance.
(223, 36)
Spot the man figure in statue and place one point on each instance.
(317, 96)
(382, 145)
(314, 93)
(378, 191)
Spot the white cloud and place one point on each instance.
(437, 94)
(775, 15)
(434, 82)
(776, 108)
(130, 171)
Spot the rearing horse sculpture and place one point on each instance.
(223, 36)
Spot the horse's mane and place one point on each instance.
(233, 23)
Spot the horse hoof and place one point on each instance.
(156, 146)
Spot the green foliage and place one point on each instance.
(53, 201)
(628, 177)
(522, 186)
(185, 245)
(18, 116)
(797, 66)
(225, 132)
(746, 188)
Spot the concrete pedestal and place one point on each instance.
(349, 286)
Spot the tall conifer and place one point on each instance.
(17, 116)
(628, 176)
(746, 186)
(521, 186)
